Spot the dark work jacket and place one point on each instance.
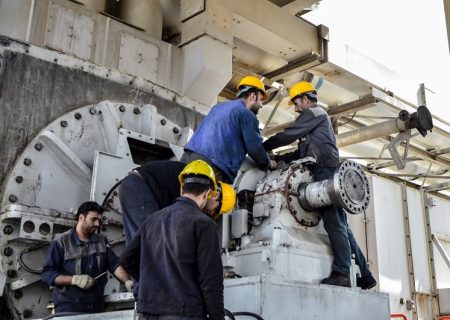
(180, 264)
(226, 135)
(67, 255)
(162, 179)
(315, 136)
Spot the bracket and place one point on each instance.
(400, 161)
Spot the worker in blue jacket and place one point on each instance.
(315, 135)
(230, 131)
(176, 255)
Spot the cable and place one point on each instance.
(249, 314)
(229, 314)
(26, 250)
(343, 124)
(61, 314)
(109, 194)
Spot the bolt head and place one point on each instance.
(8, 229)
(122, 108)
(19, 179)
(63, 123)
(77, 115)
(38, 146)
(136, 111)
(163, 122)
(12, 198)
(92, 111)
(27, 162)
(18, 294)
(176, 130)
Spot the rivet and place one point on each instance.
(12, 198)
(27, 162)
(19, 179)
(163, 122)
(115, 193)
(63, 123)
(136, 111)
(18, 294)
(176, 130)
(8, 251)
(11, 273)
(38, 146)
(122, 108)
(8, 229)
(27, 313)
(92, 111)
(77, 115)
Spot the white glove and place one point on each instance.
(273, 165)
(82, 281)
(129, 285)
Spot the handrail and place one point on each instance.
(399, 316)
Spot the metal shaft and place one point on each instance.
(347, 189)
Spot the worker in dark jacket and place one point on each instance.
(316, 138)
(180, 274)
(154, 186)
(77, 262)
(229, 132)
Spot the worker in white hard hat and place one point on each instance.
(314, 132)
(230, 131)
(180, 268)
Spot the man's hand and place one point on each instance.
(82, 281)
(272, 165)
(129, 285)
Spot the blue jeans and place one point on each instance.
(343, 243)
(137, 201)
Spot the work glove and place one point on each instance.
(272, 165)
(129, 285)
(82, 281)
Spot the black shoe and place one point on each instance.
(366, 282)
(337, 279)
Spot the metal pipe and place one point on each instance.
(373, 132)
(441, 249)
(30, 21)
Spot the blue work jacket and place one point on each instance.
(226, 135)
(68, 255)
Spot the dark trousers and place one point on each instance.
(137, 201)
(343, 243)
(190, 156)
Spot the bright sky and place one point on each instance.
(407, 36)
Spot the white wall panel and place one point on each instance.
(418, 241)
(390, 239)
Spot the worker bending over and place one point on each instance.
(76, 264)
(229, 132)
(154, 186)
(180, 269)
(316, 138)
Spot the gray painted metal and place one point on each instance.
(274, 298)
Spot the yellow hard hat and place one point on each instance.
(227, 197)
(300, 88)
(254, 82)
(198, 168)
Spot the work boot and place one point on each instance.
(337, 279)
(366, 282)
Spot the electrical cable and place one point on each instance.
(229, 314)
(26, 250)
(248, 314)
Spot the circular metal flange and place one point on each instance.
(351, 187)
(299, 175)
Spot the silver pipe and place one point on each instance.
(30, 21)
(372, 132)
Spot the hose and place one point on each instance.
(229, 314)
(110, 191)
(249, 314)
(26, 250)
